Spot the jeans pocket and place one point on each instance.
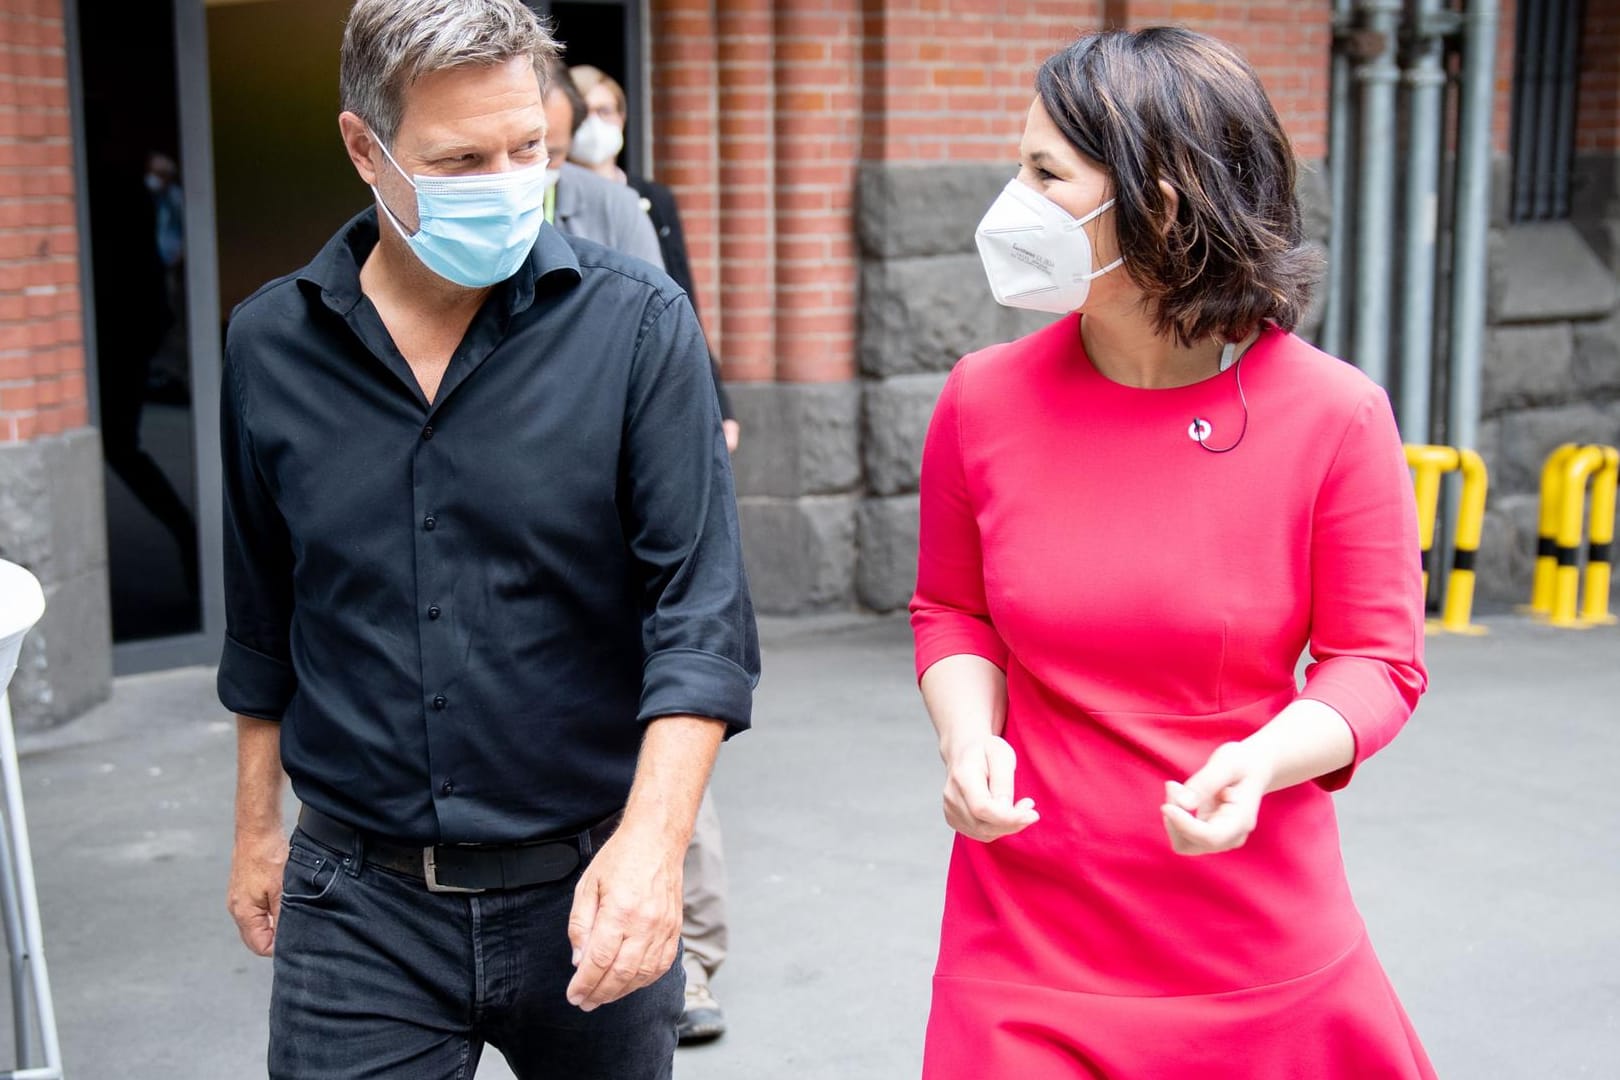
(311, 873)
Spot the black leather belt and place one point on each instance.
(463, 868)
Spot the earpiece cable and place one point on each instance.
(1200, 425)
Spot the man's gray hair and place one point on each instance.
(389, 44)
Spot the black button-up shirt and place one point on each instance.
(464, 612)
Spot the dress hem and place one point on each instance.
(1360, 941)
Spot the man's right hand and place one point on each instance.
(254, 895)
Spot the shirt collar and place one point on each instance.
(335, 270)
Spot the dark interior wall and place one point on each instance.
(282, 180)
(594, 34)
(127, 56)
(600, 33)
(142, 360)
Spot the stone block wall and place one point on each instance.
(52, 521)
(798, 474)
(924, 304)
(827, 472)
(831, 161)
(1552, 364)
(829, 494)
(942, 107)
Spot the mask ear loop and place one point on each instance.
(1095, 274)
(1229, 359)
(392, 220)
(1117, 263)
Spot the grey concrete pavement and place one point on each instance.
(1481, 846)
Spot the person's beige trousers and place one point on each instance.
(703, 927)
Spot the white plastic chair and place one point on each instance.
(22, 602)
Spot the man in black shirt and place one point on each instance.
(486, 604)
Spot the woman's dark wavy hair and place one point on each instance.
(1168, 104)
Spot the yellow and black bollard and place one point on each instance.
(1601, 466)
(1600, 545)
(1428, 464)
(1459, 605)
(1552, 505)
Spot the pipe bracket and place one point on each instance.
(1436, 24)
(1360, 44)
(1423, 76)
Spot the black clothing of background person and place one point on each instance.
(666, 220)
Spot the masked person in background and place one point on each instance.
(705, 924)
(1133, 521)
(597, 144)
(577, 201)
(485, 596)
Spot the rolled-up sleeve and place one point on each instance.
(949, 613)
(1366, 584)
(255, 671)
(698, 627)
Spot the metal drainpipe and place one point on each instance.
(1340, 170)
(1425, 80)
(1376, 195)
(1471, 247)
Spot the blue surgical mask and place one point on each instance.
(473, 230)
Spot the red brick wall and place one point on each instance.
(747, 227)
(818, 105)
(42, 388)
(1287, 42)
(763, 110)
(686, 136)
(757, 127)
(1598, 112)
(1502, 116)
(951, 80)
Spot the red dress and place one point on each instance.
(1149, 600)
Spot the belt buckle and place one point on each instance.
(431, 876)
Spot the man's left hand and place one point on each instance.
(626, 923)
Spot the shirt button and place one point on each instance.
(440, 701)
(430, 523)
(427, 432)
(448, 787)
(433, 611)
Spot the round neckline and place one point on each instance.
(1092, 372)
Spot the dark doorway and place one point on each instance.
(136, 217)
(607, 34)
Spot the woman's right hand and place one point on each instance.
(979, 790)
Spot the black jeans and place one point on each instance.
(375, 977)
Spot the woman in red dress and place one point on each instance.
(1133, 523)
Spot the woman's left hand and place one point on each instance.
(1217, 807)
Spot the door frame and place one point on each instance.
(637, 78)
(202, 323)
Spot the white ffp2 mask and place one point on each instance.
(597, 142)
(1036, 255)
